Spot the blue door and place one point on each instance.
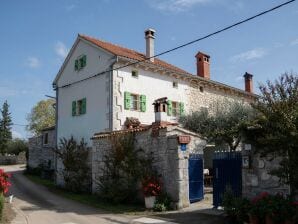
(196, 181)
(227, 173)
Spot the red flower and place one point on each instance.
(4, 183)
(151, 186)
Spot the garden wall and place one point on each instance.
(170, 162)
(257, 179)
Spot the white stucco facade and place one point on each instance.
(95, 90)
(104, 93)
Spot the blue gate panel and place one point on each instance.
(227, 168)
(196, 180)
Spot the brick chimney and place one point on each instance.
(248, 82)
(203, 65)
(149, 36)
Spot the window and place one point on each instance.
(80, 62)
(79, 107)
(175, 108)
(175, 84)
(201, 89)
(134, 102)
(134, 74)
(46, 138)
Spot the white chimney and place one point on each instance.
(149, 36)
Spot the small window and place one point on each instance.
(201, 89)
(46, 138)
(135, 74)
(134, 102)
(80, 62)
(79, 107)
(175, 84)
(175, 108)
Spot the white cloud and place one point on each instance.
(16, 134)
(294, 42)
(61, 50)
(33, 62)
(176, 5)
(249, 55)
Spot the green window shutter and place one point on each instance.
(84, 104)
(170, 108)
(126, 100)
(181, 108)
(76, 65)
(74, 108)
(84, 61)
(143, 103)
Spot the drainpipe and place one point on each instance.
(56, 130)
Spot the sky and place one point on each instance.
(37, 35)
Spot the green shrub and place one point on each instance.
(1, 205)
(124, 167)
(76, 172)
(15, 146)
(163, 203)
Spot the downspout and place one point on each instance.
(111, 114)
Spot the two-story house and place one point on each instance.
(101, 84)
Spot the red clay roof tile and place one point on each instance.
(128, 53)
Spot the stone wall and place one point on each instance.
(40, 153)
(257, 179)
(13, 159)
(169, 161)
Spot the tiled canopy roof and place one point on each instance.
(128, 53)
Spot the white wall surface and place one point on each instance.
(95, 90)
(153, 85)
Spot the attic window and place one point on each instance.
(80, 62)
(175, 84)
(134, 74)
(201, 89)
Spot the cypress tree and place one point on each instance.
(5, 127)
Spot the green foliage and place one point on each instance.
(76, 172)
(222, 124)
(163, 203)
(5, 128)
(236, 208)
(2, 200)
(41, 116)
(15, 146)
(124, 167)
(275, 130)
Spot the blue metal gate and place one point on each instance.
(196, 181)
(227, 173)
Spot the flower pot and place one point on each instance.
(253, 219)
(149, 201)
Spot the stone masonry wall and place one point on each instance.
(257, 179)
(169, 161)
(40, 154)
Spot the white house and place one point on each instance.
(101, 84)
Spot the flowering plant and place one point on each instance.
(4, 183)
(151, 186)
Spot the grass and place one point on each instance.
(88, 199)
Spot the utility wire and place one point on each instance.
(189, 43)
